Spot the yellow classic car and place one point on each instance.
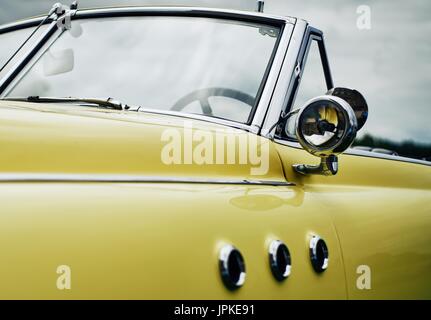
(165, 153)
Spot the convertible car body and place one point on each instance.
(87, 193)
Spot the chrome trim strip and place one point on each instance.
(257, 16)
(225, 122)
(22, 24)
(17, 67)
(86, 12)
(285, 81)
(273, 76)
(361, 153)
(125, 178)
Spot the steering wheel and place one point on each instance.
(202, 96)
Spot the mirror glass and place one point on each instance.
(321, 124)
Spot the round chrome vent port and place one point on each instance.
(279, 260)
(319, 254)
(232, 267)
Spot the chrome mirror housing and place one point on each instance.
(356, 100)
(325, 127)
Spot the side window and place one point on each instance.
(312, 83)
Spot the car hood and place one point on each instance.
(37, 139)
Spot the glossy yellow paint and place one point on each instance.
(381, 210)
(161, 240)
(156, 241)
(37, 138)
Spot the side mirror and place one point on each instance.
(326, 126)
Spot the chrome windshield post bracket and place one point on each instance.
(64, 15)
(65, 21)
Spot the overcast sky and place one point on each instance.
(389, 63)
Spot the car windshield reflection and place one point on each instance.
(207, 66)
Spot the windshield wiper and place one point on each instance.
(109, 103)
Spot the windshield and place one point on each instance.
(197, 65)
(10, 41)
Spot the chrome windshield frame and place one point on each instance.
(286, 25)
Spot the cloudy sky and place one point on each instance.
(389, 63)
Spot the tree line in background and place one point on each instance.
(407, 148)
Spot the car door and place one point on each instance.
(379, 205)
